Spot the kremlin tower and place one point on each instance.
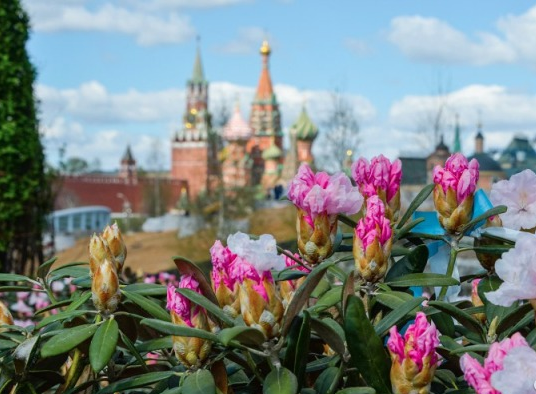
(236, 168)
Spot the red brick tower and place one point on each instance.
(191, 153)
(128, 167)
(265, 119)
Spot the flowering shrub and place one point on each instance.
(275, 321)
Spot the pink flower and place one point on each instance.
(458, 175)
(517, 270)
(518, 374)
(372, 241)
(180, 305)
(261, 253)
(320, 193)
(380, 177)
(478, 376)
(414, 356)
(519, 195)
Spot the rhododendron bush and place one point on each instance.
(367, 302)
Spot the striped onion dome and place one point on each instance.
(237, 128)
(304, 129)
(272, 153)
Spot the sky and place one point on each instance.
(112, 73)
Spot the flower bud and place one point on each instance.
(319, 199)
(260, 305)
(373, 240)
(112, 236)
(190, 351)
(475, 299)
(5, 316)
(488, 260)
(105, 287)
(381, 178)
(453, 193)
(414, 357)
(224, 284)
(98, 252)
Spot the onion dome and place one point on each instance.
(237, 128)
(304, 129)
(265, 48)
(272, 153)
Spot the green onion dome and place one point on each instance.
(304, 129)
(273, 152)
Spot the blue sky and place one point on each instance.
(113, 72)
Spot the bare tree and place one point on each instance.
(340, 136)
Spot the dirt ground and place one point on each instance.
(153, 252)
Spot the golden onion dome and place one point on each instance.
(265, 48)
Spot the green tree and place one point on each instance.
(24, 186)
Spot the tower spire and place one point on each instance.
(265, 90)
(198, 75)
(457, 145)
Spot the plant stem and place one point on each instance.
(450, 267)
(253, 366)
(74, 371)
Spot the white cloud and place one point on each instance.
(520, 31)
(502, 112)
(357, 46)
(148, 29)
(435, 41)
(248, 41)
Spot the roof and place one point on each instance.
(304, 128)
(519, 154)
(486, 162)
(237, 128)
(273, 152)
(128, 157)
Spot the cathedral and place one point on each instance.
(244, 153)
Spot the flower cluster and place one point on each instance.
(107, 254)
(453, 193)
(319, 199)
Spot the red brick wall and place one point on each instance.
(189, 162)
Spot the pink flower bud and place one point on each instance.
(453, 193)
(414, 357)
(381, 178)
(319, 198)
(190, 351)
(372, 242)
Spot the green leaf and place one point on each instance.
(413, 263)
(103, 344)
(357, 390)
(287, 274)
(400, 233)
(43, 269)
(199, 382)
(60, 316)
(328, 299)
(181, 331)
(328, 380)
(298, 347)
(416, 203)
(53, 306)
(67, 339)
(149, 306)
(443, 322)
(513, 317)
(212, 308)
(397, 315)
(134, 351)
(486, 285)
(186, 267)
(472, 348)
(15, 289)
(366, 347)
(146, 289)
(247, 336)
(302, 294)
(6, 344)
(68, 271)
(155, 344)
(346, 220)
(81, 300)
(463, 317)
(425, 279)
(280, 381)
(129, 383)
(16, 278)
(393, 299)
(490, 212)
(331, 332)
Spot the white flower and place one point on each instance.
(519, 195)
(261, 253)
(518, 375)
(518, 271)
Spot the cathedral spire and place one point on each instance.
(265, 90)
